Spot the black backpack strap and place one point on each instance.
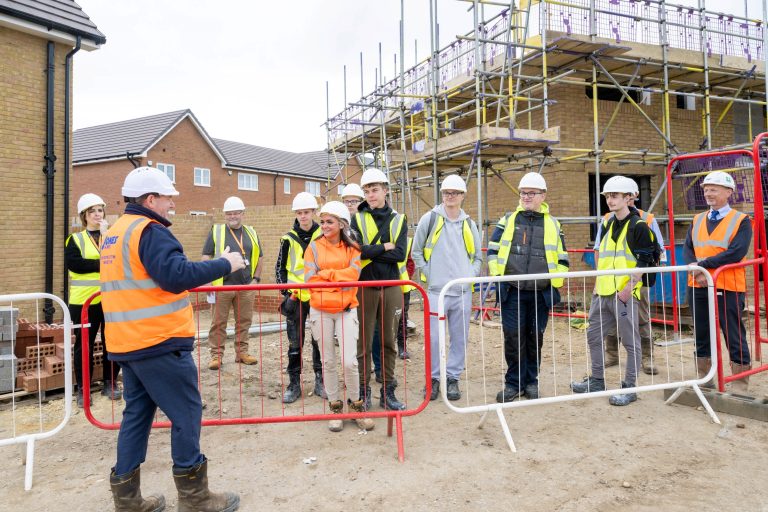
(298, 240)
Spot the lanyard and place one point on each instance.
(95, 242)
(239, 241)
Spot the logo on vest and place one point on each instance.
(109, 241)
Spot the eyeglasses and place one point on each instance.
(530, 194)
(452, 193)
(352, 202)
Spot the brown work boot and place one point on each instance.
(741, 386)
(126, 492)
(246, 358)
(362, 423)
(215, 363)
(648, 367)
(702, 367)
(194, 495)
(336, 407)
(611, 359)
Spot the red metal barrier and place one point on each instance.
(392, 416)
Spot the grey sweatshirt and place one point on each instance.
(449, 256)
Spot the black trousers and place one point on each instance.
(729, 308)
(96, 319)
(295, 324)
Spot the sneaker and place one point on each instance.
(245, 359)
(215, 363)
(532, 391)
(624, 399)
(509, 394)
(588, 385)
(435, 390)
(453, 391)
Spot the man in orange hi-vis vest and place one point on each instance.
(718, 237)
(150, 333)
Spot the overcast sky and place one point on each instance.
(255, 71)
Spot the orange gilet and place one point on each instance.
(137, 313)
(706, 245)
(326, 263)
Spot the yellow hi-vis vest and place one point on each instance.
(553, 245)
(295, 263)
(404, 269)
(82, 286)
(219, 236)
(466, 234)
(369, 231)
(615, 255)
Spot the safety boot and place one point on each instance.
(588, 385)
(625, 398)
(126, 492)
(111, 391)
(246, 358)
(293, 391)
(388, 400)
(741, 386)
(702, 367)
(362, 423)
(647, 361)
(509, 394)
(319, 387)
(194, 495)
(336, 407)
(453, 392)
(215, 363)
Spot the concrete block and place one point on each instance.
(8, 331)
(7, 385)
(8, 315)
(6, 347)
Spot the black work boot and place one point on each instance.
(402, 353)
(365, 396)
(126, 492)
(319, 387)
(388, 400)
(293, 391)
(194, 495)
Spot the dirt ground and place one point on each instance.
(582, 455)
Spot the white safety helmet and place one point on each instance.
(453, 182)
(304, 201)
(146, 180)
(337, 209)
(352, 190)
(234, 204)
(373, 175)
(719, 178)
(636, 190)
(88, 200)
(533, 180)
(620, 184)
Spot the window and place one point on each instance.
(286, 185)
(202, 177)
(613, 94)
(247, 181)
(312, 187)
(340, 189)
(169, 170)
(686, 102)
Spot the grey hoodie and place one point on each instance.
(449, 256)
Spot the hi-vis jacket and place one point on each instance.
(706, 245)
(327, 263)
(82, 286)
(613, 256)
(219, 236)
(294, 265)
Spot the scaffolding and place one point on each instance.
(481, 106)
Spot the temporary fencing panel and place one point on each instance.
(36, 356)
(563, 356)
(238, 394)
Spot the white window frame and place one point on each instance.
(248, 186)
(203, 172)
(169, 170)
(313, 187)
(340, 189)
(286, 185)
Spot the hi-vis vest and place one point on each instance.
(553, 245)
(615, 255)
(138, 313)
(219, 236)
(466, 234)
(706, 245)
(295, 263)
(403, 269)
(82, 286)
(369, 231)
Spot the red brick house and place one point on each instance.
(204, 169)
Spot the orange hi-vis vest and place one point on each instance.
(137, 313)
(706, 245)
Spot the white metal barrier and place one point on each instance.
(17, 437)
(678, 381)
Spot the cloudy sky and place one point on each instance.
(255, 71)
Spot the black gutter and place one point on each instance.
(49, 170)
(67, 156)
(97, 37)
(274, 190)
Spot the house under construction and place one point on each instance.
(579, 90)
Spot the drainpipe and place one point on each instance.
(274, 190)
(49, 170)
(67, 156)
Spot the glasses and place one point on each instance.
(530, 194)
(452, 193)
(352, 202)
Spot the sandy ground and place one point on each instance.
(583, 455)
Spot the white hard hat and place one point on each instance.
(719, 178)
(234, 204)
(304, 201)
(636, 189)
(620, 184)
(453, 182)
(337, 209)
(533, 180)
(373, 175)
(88, 200)
(352, 189)
(146, 180)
